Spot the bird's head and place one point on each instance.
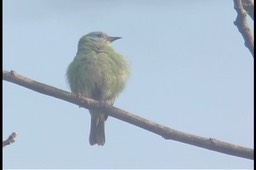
(97, 39)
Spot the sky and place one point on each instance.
(190, 71)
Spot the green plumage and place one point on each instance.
(100, 73)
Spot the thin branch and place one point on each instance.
(10, 139)
(165, 132)
(248, 6)
(243, 27)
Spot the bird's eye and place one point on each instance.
(100, 35)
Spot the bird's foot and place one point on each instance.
(80, 96)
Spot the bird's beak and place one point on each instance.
(111, 39)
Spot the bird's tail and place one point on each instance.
(97, 132)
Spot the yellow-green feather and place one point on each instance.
(100, 73)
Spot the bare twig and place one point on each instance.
(165, 132)
(243, 27)
(248, 6)
(10, 139)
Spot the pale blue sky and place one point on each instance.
(189, 71)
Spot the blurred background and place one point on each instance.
(189, 67)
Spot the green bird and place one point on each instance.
(100, 73)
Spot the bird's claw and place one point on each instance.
(79, 95)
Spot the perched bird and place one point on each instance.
(100, 73)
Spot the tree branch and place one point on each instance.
(165, 132)
(10, 139)
(248, 6)
(243, 27)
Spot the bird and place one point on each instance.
(100, 73)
